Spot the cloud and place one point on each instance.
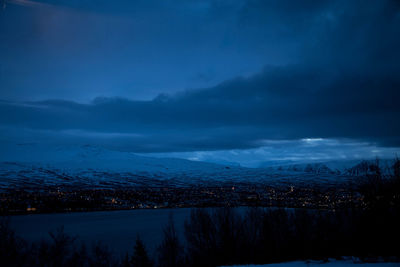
(290, 102)
(273, 152)
(27, 3)
(343, 83)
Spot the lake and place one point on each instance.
(116, 229)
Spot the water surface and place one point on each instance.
(117, 229)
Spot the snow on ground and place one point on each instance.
(93, 157)
(34, 164)
(30, 165)
(330, 263)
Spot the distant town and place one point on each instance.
(67, 199)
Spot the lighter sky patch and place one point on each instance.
(294, 151)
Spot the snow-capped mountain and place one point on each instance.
(337, 167)
(31, 165)
(72, 158)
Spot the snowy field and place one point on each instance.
(330, 263)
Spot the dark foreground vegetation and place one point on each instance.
(224, 236)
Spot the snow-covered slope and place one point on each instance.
(71, 158)
(30, 165)
(344, 167)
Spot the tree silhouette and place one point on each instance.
(140, 257)
(170, 250)
(126, 261)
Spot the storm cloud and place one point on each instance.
(342, 80)
(279, 103)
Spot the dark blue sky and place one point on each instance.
(245, 80)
